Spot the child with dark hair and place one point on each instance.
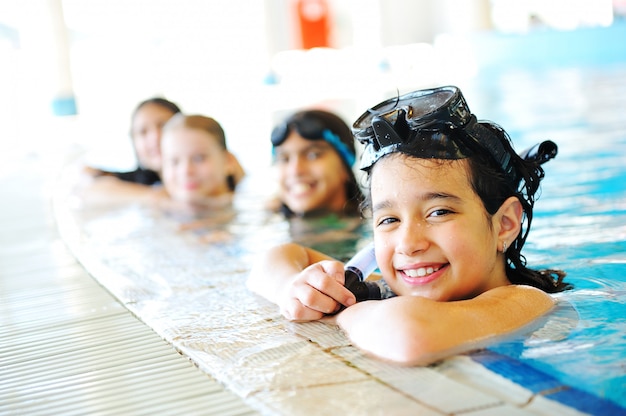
(147, 122)
(451, 205)
(313, 157)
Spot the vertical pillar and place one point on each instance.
(63, 100)
(462, 17)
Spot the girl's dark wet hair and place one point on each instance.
(159, 101)
(493, 187)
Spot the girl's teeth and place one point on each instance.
(421, 272)
(301, 188)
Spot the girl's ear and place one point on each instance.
(509, 216)
(230, 163)
(234, 168)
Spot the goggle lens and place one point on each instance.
(311, 128)
(418, 109)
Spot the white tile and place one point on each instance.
(360, 398)
(465, 370)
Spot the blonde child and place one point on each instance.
(197, 167)
(451, 205)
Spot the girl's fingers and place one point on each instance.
(294, 310)
(328, 278)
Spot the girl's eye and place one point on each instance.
(439, 212)
(281, 159)
(199, 158)
(313, 155)
(386, 221)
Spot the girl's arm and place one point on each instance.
(304, 283)
(415, 330)
(111, 191)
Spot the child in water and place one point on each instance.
(147, 122)
(197, 172)
(451, 205)
(197, 168)
(313, 157)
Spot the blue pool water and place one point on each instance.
(580, 220)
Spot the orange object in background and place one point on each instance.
(314, 21)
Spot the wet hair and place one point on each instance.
(159, 101)
(205, 124)
(493, 187)
(338, 127)
(198, 122)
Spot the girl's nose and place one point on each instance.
(412, 239)
(186, 168)
(296, 165)
(154, 137)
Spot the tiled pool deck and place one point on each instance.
(68, 347)
(193, 295)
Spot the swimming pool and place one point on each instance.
(189, 287)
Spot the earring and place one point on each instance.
(504, 246)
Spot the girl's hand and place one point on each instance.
(315, 292)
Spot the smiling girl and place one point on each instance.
(313, 157)
(451, 206)
(146, 127)
(197, 166)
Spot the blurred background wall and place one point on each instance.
(247, 62)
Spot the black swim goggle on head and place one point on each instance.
(436, 123)
(311, 128)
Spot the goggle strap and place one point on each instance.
(493, 145)
(387, 134)
(344, 152)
